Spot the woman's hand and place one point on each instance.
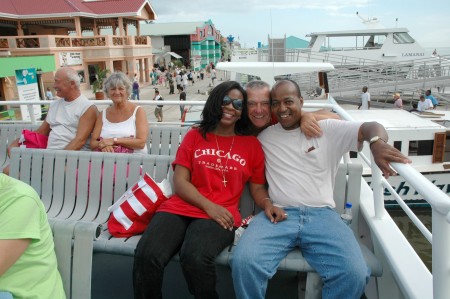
(221, 215)
(108, 149)
(105, 143)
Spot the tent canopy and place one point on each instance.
(173, 54)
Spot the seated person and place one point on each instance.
(260, 116)
(28, 267)
(299, 209)
(124, 124)
(70, 120)
(211, 168)
(424, 104)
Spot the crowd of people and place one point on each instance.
(253, 136)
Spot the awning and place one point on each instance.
(10, 64)
(173, 54)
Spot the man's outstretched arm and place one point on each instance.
(382, 152)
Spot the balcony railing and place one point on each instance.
(63, 41)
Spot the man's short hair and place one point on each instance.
(71, 75)
(257, 84)
(285, 81)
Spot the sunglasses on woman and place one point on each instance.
(237, 103)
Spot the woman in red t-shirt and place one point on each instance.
(212, 166)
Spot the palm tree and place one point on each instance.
(97, 86)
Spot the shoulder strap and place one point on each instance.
(135, 110)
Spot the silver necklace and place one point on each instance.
(219, 160)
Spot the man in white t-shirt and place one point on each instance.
(424, 104)
(71, 119)
(300, 173)
(365, 99)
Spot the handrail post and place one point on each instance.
(31, 112)
(440, 255)
(377, 186)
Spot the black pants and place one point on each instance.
(199, 241)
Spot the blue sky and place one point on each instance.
(253, 20)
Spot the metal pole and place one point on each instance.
(377, 186)
(31, 112)
(440, 255)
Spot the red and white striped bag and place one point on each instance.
(131, 214)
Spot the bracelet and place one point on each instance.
(268, 198)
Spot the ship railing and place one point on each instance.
(386, 79)
(31, 105)
(439, 202)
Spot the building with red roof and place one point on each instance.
(75, 33)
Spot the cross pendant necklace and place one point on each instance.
(222, 168)
(224, 181)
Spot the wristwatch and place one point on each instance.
(375, 139)
(115, 140)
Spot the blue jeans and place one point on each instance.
(135, 95)
(5, 295)
(181, 110)
(199, 241)
(326, 242)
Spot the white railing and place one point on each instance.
(30, 106)
(439, 202)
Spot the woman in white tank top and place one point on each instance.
(122, 126)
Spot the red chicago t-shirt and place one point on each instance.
(205, 159)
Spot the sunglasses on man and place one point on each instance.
(237, 103)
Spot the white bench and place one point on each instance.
(74, 241)
(80, 186)
(161, 140)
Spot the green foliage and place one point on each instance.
(178, 63)
(100, 75)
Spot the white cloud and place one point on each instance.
(210, 8)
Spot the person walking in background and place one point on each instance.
(424, 104)
(153, 77)
(365, 99)
(182, 98)
(191, 77)
(179, 81)
(433, 100)
(49, 94)
(213, 75)
(202, 74)
(28, 266)
(122, 127)
(158, 109)
(185, 81)
(398, 101)
(171, 83)
(136, 91)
